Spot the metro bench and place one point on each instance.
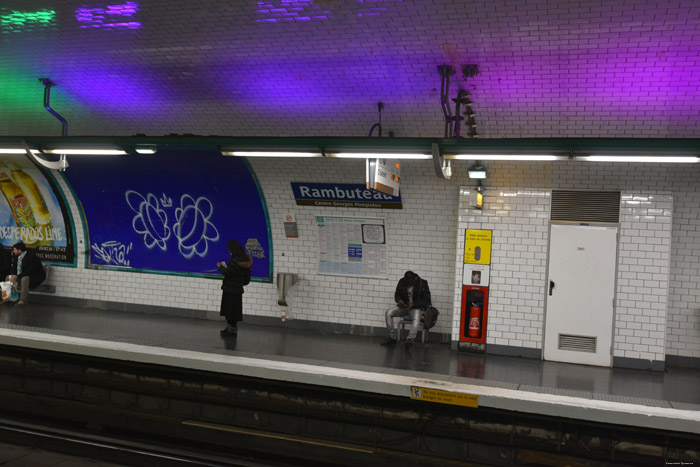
(44, 287)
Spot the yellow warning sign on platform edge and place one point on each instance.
(444, 397)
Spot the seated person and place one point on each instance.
(27, 271)
(5, 261)
(412, 298)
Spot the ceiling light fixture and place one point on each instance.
(662, 159)
(504, 157)
(15, 151)
(233, 152)
(146, 148)
(477, 171)
(85, 151)
(369, 155)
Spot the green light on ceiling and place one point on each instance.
(18, 21)
(21, 94)
(19, 91)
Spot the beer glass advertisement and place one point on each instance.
(171, 212)
(32, 210)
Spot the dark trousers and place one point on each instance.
(232, 307)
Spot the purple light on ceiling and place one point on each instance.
(298, 89)
(104, 17)
(365, 9)
(276, 11)
(113, 89)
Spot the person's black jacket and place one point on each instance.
(235, 276)
(32, 267)
(421, 293)
(5, 263)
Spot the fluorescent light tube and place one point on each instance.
(86, 152)
(367, 155)
(666, 159)
(503, 157)
(18, 151)
(146, 148)
(226, 152)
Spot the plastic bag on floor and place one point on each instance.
(9, 292)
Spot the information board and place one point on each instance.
(171, 212)
(352, 246)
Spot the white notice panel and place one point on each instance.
(352, 246)
(476, 274)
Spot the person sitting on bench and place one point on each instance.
(27, 271)
(412, 299)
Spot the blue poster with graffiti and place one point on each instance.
(171, 212)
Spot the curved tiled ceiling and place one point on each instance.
(319, 67)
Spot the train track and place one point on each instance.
(123, 451)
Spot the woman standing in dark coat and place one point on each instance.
(236, 275)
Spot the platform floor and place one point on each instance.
(674, 389)
(25, 456)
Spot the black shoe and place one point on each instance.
(389, 341)
(229, 331)
(409, 343)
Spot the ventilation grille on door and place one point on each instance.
(577, 343)
(585, 206)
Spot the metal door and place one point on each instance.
(580, 294)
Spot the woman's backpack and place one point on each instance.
(246, 276)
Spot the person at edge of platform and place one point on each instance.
(26, 270)
(236, 275)
(412, 298)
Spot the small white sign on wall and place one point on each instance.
(476, 274)
(290, 226)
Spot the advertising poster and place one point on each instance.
(171, 212)
(32, 210)
(352, 246)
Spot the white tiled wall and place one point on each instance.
(422, 236)
(519, 220)
(683, 322)
(643, 275)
